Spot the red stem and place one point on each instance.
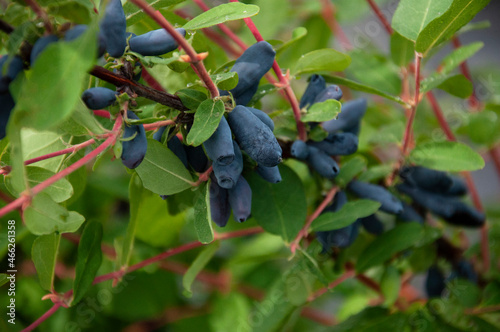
(165, 24)
(223, 27)
(328, 15)
(440, 117)
(381, 16)
(283, 81)
(304, 231)
(464, 68)
(495, 156)
(41, 14)
(153, 126)
(102, 114)
(409, 124)
(72, 149)
(27, 196)
(43, 317)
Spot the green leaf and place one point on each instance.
(484, 127)
(202, 218)
(88, 260)
(412, 16)
(402, 49)
(349, 213)
(373, 319)
(3, 279)
(44, 216)
(81, 122)
(25, 31)
(455, 58)
(375, 173)
(229, 311)
(72, 10)
(457, 85)
(44, 256)
(198, 265)
(59, 191)
(442, 28)
(390, 284)
(38, 143)
(56, 82)
(279, 208)
(191, 98)
(206, 121)
(447, 156)
(401, 237)
(135, 190)
(324, 111)
(297, 34)
(297, 287)
(472, 26)
(225, 81)
(162, 172)
(220, 14)
(350, 169)
(134, 14)
(361, 87)
(326, 59)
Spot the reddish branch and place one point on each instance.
(41, 14)
(473, 101)
(328, 14)
(409, 124)
(43, 318)
(305, 230)
(152, 82)
(349, 273)
(381, 16)
(27, 196)
(202, 71)
(72, 149)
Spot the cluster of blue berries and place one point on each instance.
(10, 67)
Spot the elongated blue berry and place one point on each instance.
(99, 97)
(426, 179)
(300, 150)
(314, 88)
(40, 45)
(134, 150)
(159, 133)
(219, 146)
(322, 163)
(330, 92)
(350, 116)
(10, 67)
(449, 208)
(113, 27)
(457, 188)
(196, 158)
(390, 203)
(7, 104)
(251, 66)
(78, 30)
(240, 200)
(220, 210)
(434, 282)
(156, 42)
(465, 270)
(340, 144)
(372, 224)
(175, 145)
(254, 137)
(270, 174)
(228, 175)
(266, 119)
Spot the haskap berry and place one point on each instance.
(316, 85)
(134, 150)
(220, 210)
(266, 119)
(197, 158)
(240, 200)
(270, 174)
(349, 118)
(251, 66)
(219, 146)
(409, 214)
(156, 42)
(99, 97)
(372, 224)
(254, 137)
(434, 282)
(330, 92)
(113, 26)
(299, 150)
(340, 144)
(228, 175)
(10, 67)
(322, 163)
(78, 30)
(390, 203)
(40, 46)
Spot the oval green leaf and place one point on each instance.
(324, 111)
(326, 59)
(220, 14)
(347, 214)
(206, 121)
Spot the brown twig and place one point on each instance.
(41, 14)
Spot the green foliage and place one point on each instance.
(220, 14)
(324, 111)
(44, 256)
(348, 214)
(202, 218)
(206, 121)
